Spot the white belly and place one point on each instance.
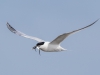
(50, 48)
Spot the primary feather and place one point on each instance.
(60, 38)
(22, 34)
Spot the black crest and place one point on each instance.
(40, 43)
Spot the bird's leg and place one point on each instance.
(39, 52)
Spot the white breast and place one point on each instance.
(44, 47)
(47, 47)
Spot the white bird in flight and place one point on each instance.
(53, 46)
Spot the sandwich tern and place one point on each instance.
(53, 46)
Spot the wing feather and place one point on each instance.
(60, 38)
(22, 34)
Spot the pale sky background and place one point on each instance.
(46, 19)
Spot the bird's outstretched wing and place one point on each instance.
(22, 34)
(60, 38)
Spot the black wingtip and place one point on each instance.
(7, 23)
(97, 19)
(10, 27)
(94, 22)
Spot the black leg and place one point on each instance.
(39, 52)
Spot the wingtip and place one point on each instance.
(7, 24)
(10, 27)
(97, 19)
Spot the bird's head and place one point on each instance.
(38, 45)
